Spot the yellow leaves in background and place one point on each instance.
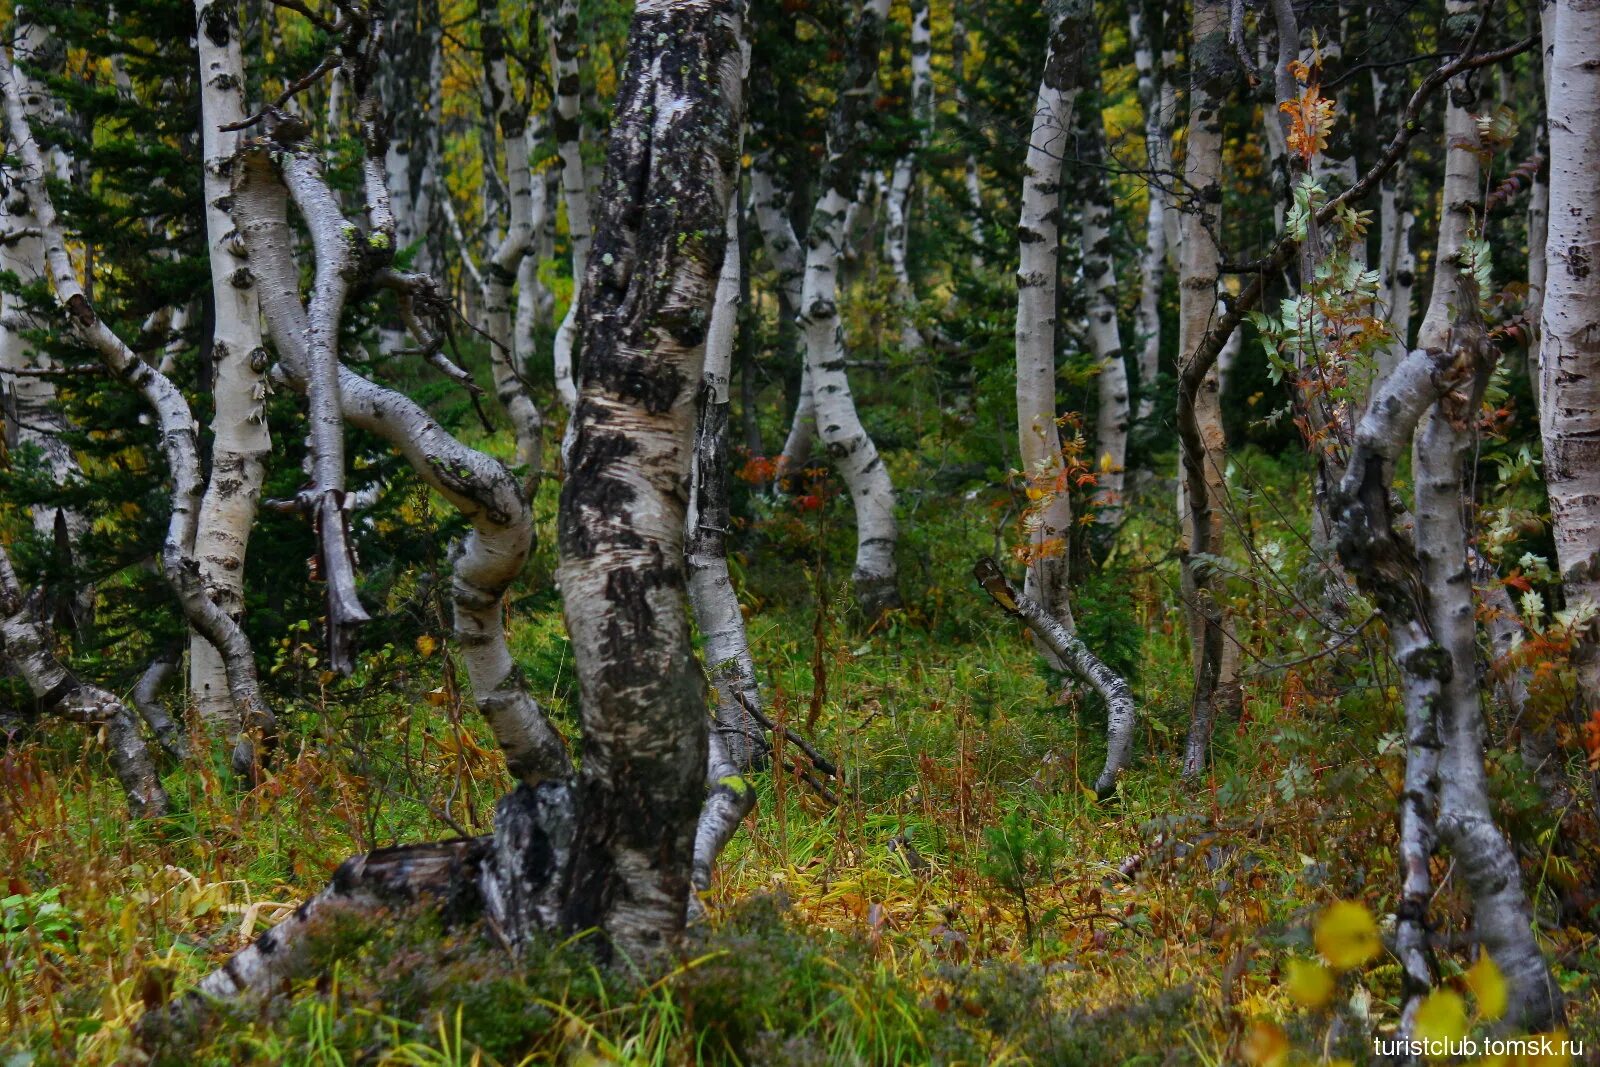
(1347, 935)
(427, 645)
(1308, 983)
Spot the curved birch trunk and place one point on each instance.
(178, 437)
(1039, 239)
(27, 644)
(240, 438)
(1204, 457)
(1425, 597)
(898, 203)
(488, 495)
(574, 185)
(1070, 650)
(1569, 408)
(848, 445)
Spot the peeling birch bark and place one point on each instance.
(651, 279)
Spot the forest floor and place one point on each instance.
(959, 897)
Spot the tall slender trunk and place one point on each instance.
(500, 272)
(1570, 350)
(1204, 460)
(769, 201)
(31, 412)
(898, 203)
(838, 425)
(1039, 244)
(574, 184)
(969, 160)
(737, 739)
(1100, 280)
(1158, 204)
(240, 438)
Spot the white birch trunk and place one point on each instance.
(240, 438)
(1153, 258)
(838, 425)
(1570, 349)
(28, 645)
(1215, 668)
(178, 435)
(898, 203)
(1039, 241)
(574, 184)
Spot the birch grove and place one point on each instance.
(769, 531)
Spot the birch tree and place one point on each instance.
(1203, 448)
(1038, 233)
(1569, 405)
(613, 845)
(574, 185)
(898, 202)
(240, 438)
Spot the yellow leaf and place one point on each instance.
(1106, 462)
(1264, 1045)
(426, 644)
(1488, 987)
(437, 697)
(1442, 1017)
(1308, 983)
(1346, 935)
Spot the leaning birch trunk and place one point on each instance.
(1539, 201)
(1425, 596)
(1038, 232)
(1569, 408)
(848, 445)
(27, 643)
(574, 184)
(240, 439)
(1153, 257)
(898, 203)
(487, 494)
(31, 411)
(1070, 649)
(178, 436)
(737, 739)
(621, 522)
(711, 593)
(1203, 455)
(1100, 279)
(500, 272)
